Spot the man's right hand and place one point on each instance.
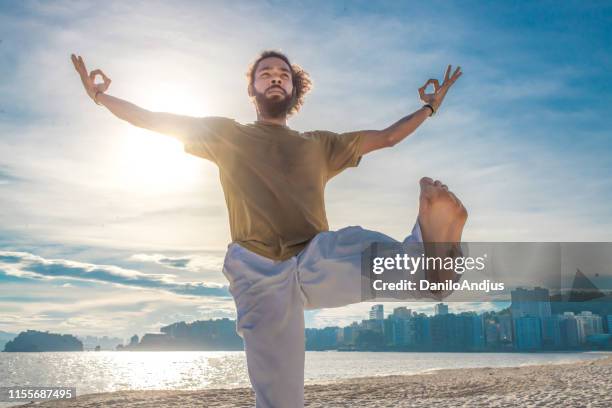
(88, 79)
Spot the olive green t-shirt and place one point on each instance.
(273, 179)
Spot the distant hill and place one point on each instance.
(33, 341)
(206, 335)
(5, 337)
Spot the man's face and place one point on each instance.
(273, 87)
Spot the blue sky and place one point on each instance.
(108, 229)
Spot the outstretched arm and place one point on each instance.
(378, 139)
(166, 123)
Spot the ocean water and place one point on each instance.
(105, 371)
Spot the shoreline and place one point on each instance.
(565, 384)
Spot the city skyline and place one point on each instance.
(528, 324)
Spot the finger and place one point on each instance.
(82, 73)
(457, 73)
(74, 61)
(101, 73)
(87, 83)
(455, 76)
(77, 67)
(92, 74)
(447, 74)
(106, 80)
(422, 92)
(435, 83)
(453, 79)
(83, 64)
(444, 186)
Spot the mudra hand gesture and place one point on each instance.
(435, 99)
(89, 80)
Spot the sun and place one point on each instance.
(150, 162)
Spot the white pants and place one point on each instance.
(271, 296)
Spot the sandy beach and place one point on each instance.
(583, 384)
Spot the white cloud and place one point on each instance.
(102, 309)
(26, 265)
(193, 263)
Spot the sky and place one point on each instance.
(106, 229)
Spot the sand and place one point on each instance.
(582, 384)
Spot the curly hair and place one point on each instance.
(302, 83)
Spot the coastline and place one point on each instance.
(573, 384)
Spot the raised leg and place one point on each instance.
(329, 268)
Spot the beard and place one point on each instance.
(274, 106)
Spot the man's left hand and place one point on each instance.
(435, 99)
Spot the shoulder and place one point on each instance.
(218, 121)
(321, 135)
(217, 126)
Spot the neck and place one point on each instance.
(274, 121)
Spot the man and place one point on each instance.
(283, 259)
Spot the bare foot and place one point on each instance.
(442, 216)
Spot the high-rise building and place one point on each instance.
(551, 332)
(472, 326)
(350, 333)
(377, 312)
(609, 321)
(588, 324)
(440, 309)
(389, 331)
(399, 332)
(492, 333)
(373, 324)
(413, 332)
(417, 332)
(402, 313)
(528, 333)
(569, 330)
(444, 332)
(530, 302)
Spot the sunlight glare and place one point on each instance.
(150, 162)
